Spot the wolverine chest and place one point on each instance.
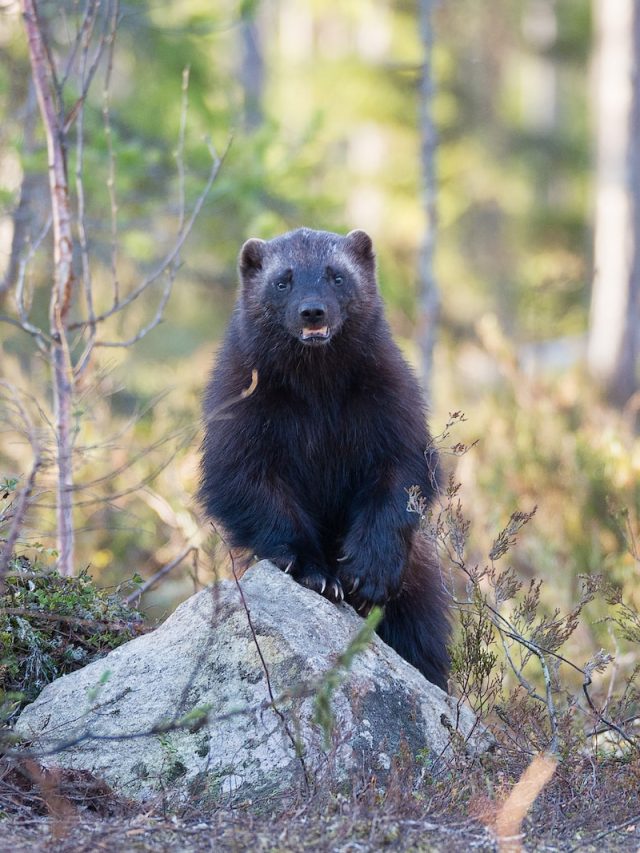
(323, 453)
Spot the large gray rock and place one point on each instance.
(113, 717)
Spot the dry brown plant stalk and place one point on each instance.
(508, 822)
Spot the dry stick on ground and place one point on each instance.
(60, 808)
(590, 840)
(508, 824)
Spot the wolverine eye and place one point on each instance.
(333, 276)
(283, 282)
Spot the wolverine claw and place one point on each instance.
(343, 558)
(364, 608)
(354, 586)
(284, 563)
(337, 593)
(323, 587)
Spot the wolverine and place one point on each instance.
(312, 469)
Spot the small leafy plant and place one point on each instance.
(51, 625)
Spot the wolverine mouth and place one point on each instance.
(315, 336)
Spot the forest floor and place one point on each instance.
(232, 831)
(91, 818)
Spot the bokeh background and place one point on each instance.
(329, 121)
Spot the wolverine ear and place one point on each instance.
(361, 245)
(251, 255)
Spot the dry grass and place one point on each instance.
(585, 805)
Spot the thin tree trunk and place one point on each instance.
(62, 287)
(630, 349)
(429, 295)
(614, 341)
(29, 190)
(252, 68)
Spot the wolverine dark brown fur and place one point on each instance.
(311, 470)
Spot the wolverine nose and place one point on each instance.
(313, 311)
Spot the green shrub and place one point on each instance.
(51, 625)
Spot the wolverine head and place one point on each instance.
(308, 283)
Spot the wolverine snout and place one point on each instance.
(313, 311)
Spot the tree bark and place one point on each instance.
(428, 293)
(62, 286)
(252, 68)
(30, 189)
(614, 340)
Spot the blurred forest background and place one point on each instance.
(328, 121)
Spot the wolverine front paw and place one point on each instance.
(365, 585)
(361, 592)
(322, 583)
(312, 577)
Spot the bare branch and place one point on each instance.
(90, 37)
(27, 490)
(25, 327)
(169, 258)
(295, 744)
(186, 434)
(80, 217)
(28, 187)
(149, 478)
(180, 150)
(111, 178)
(155, 321)
(87, 17)
(41, 337)
(88, 74)
(602, 719)
(153, 580)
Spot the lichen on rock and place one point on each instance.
(186, 709)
